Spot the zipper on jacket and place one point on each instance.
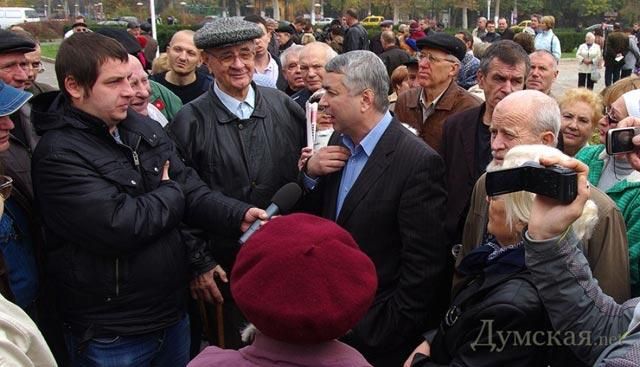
(136, 162)
(117, 276)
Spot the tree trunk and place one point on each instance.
(396, 11)
(465, 20)
(496, 15)
(276, 10)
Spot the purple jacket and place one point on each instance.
(266, 352)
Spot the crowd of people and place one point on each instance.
(125, 192)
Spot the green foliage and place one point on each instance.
(570, 40)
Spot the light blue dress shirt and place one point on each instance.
(242, 109)
(359, 156)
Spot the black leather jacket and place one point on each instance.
(115, 251)
(248, 160)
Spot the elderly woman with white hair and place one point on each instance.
(498, 294)
(589, 56)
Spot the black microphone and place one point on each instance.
(282, 201)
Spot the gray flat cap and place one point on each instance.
(226, 32)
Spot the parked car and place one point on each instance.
(324, 21)
(372, 20)
(592, 28)
(11, 16)
(123, 21)
(521, 26)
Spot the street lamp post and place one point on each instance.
(488, 9)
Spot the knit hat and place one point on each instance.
(12, 42)
(302, 279)
(632, 102)
(226, 32)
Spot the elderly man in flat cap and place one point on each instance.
(242, 139)
(439, 96)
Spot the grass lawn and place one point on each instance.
(568, 55)
(50, 49)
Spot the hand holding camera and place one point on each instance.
(626, 139)
(549, 217)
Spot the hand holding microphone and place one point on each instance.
(283, 200)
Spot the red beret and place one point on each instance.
(302, 279)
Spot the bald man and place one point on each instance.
(531, 117)
(183, 77)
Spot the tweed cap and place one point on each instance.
(11, 42)
(226, 32)
(444, 42)
(302, 279)
(386, 23)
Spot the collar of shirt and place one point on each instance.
(242, 109)
(427, 110)
(370, 141)
(271, 70)
(359, 157)
(116, 136)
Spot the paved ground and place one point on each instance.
(49, 75)
(567, 78)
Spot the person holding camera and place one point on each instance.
(531, 117)
(614, 175)
(633, 157)
(601, 331)
(497, 292)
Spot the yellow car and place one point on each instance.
(372, 21)
(521, 26)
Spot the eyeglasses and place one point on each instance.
(10, 67)
(609, 116)
(39, 66)
(227, 58)
(6, 184)
(424, 55)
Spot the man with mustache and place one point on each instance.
(531, 117)
(466, 137)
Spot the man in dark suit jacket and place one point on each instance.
(466, 138)
(386, 187)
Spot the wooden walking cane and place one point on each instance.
(220, 323)
(205, 321)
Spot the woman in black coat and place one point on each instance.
(496, 317)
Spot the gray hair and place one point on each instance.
(290, 51)
(590, 35)
(363, 70)
(544, 110)
(541, 52)
(507, 52)
(329, 53)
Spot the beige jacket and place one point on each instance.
(607, 250)
(21, 343)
